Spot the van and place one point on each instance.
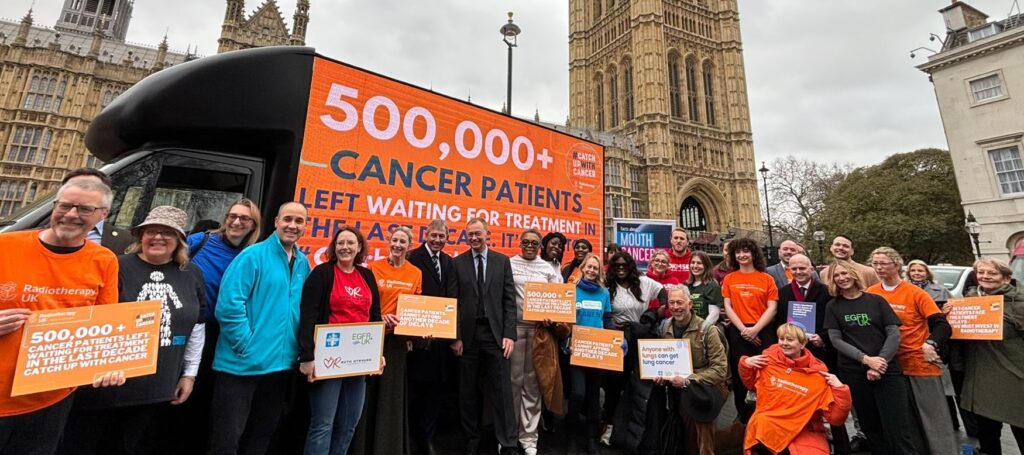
(277, 124)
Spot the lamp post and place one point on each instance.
(974, 228)
(509, 32)
(768, 211)
(819, 236)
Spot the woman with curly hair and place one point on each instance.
(751, 298)
(630, 293)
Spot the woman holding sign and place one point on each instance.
(338, 291)
(795, 393)
(384, 428)
(156, 267)
(593, 309)
(993, 381)
(751, 299)
(528, 266)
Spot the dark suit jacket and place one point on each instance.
(818, 294)
(499, 295)
(449, 287)
(115, 239)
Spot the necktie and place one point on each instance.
(480, 285)
(437, 266)
(803, 290)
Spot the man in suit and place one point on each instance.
(487, 334)
(427, 363)
(805, 287)
(109, 236)
(780, 271)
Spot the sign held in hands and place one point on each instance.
(549, 301)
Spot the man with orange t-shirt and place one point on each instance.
(44, 270)
(923, 330)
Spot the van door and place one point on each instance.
(203, 184)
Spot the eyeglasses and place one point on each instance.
(65, 207)
(532, 243)
(618, 265)
(153, 232)
(241, 218)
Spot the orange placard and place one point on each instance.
(378, 153)
(976, 318)
(422, 315)
(70, 347)
(597, 348)
(551, 301)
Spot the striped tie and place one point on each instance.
(437, 266)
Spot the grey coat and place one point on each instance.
(994, 373)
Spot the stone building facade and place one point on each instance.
(979, 85)
(265, 27)
(53, 81)
(667, 76)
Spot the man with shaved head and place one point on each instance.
(261, 289)
(806, 287)
(781, 271)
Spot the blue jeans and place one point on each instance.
(335, 406)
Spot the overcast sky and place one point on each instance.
(827, 80)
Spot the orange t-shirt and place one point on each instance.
(749, 293)
(38, 279)
(913, 306)
(787, 399)
(394, 281)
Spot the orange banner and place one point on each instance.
(549, 301)
(378, 153)
(976, 318)
(597, 348)
(70, 347)
(422, 315)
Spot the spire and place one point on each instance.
(161, 53)
(536, 115)
(97, 39)
(26, 25)
(299, 22)
(504, 108)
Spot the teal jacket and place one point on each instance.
(258, 310)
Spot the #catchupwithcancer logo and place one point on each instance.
(584, 167)
(7, 291)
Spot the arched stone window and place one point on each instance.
(691, 215)
(627, 86)
(599, 101)
(613, 96)
(709, 92)
(691, 89)
(675, 98)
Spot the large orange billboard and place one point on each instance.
(378, 153)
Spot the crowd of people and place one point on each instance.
(235, 370)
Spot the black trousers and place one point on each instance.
(483, 365)
(114, 431)
(192, 418)
(739, 347)
(34, 433)
(424, 409)
(885, 413)
(245, 412)
(989, 432)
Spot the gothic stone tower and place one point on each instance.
(266, 26)
(669, 75)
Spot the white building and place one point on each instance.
(979, 84)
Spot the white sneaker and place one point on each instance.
(606, 437)
(530, 451)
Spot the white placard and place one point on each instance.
(343, 350)
(665, 358)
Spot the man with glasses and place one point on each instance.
(42, 270)
(486, 337)
(109, 236)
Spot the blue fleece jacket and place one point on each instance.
(212, 259)
(258, 310)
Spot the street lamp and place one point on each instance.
(768, 211)
(819, 236)
(974, 228)
(509, 32)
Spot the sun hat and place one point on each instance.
(164, 215)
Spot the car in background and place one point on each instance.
(953, 277)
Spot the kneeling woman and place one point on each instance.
(338, 291)
(795, 392)
(156, 267)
